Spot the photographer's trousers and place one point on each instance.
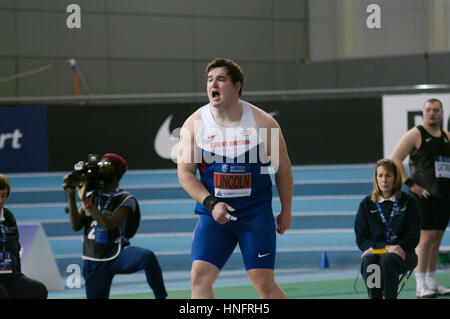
(98, 275)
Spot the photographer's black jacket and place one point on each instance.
(116, 238)
(12, 240)
(369, 228)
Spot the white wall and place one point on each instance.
(407, 27)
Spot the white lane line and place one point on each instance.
(175, 186)
(188, 200)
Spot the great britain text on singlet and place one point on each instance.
(237, 143)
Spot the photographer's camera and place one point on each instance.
(85, 171)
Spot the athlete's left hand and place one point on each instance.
(284, 221)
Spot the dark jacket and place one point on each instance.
(369, 228)
(12, 239)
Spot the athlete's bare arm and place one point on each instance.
(408, 145)
(276, 149)
(187, 159)
(187, 166)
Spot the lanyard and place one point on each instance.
(3, 231)
(108, 201)
(383, 219)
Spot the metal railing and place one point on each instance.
(202, 96)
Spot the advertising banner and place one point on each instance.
(326, 131)
(23, 139)
(403, 112)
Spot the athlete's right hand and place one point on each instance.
(420, 191)
(220, 212)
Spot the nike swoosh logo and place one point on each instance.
(261, 256)
(428, 139)
(165, 143)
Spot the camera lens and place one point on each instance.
(79, 166)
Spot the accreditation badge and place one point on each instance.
(101, 235)
(232, 180)
(6, 266)
(389, 236)
(442, 166)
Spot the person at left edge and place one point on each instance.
(106, 250)
(387, 219)
(13, 283)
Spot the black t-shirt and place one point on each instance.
(422, 163)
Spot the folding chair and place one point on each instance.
(404, 277)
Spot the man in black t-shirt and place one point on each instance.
(428, 147)
(105, 216)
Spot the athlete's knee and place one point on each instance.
(425, 240)
(201, 279)
(265, 288)
(430, 237)
(203, 274)
(263, 281)
(437, 236)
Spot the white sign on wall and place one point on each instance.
(403, 112)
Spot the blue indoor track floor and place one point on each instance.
(325, 202)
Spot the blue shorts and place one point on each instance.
(255, 234)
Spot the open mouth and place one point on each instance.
(215, 93)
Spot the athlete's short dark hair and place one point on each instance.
(234, 70)
(434, 101)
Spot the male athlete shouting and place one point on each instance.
(231, 142)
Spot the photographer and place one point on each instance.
(106, 214)
(13, 283)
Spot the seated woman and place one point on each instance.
(387, 219)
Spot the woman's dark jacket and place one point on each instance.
(369, 228)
